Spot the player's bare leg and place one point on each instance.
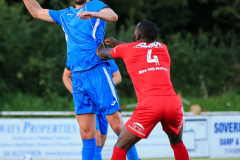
(115, 121)
(125, 141)
(103, 139)
(98, 138)
(87, 123)
(175, 139)
(98, 155)
(180, 151)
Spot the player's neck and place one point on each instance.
(144, 40)
(82, 5)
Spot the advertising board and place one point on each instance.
(225, 136)
(59, 138)
(40, 138)
(199, 125)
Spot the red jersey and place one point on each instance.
(148, 65)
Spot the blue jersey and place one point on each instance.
(113, 66)
(82, 36)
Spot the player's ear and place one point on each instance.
(138, 37)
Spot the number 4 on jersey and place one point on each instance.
(150, 60)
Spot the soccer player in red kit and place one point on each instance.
(148, 64)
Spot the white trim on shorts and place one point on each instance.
(110, 84)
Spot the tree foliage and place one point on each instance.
(202, 37)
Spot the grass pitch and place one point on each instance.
(195, 159)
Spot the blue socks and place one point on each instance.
(89, 148)
(91, 152)
(98, 155)
(132, 153)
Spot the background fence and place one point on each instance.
(214, 135)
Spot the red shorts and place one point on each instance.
(154, 109)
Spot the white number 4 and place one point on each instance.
(150, 60)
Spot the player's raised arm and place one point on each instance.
(112, 42)
(106, 14)
(105, 54)
(37, 11)
(116, 77)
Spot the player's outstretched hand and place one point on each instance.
(86, 15)
(100, 47)
(110, 41)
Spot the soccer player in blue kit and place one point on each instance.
(101, 121)
(93, 89)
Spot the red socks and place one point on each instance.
(180, 151)
(119, 154)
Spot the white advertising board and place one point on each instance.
(40, 138)
(199, 125)
(59, 138)
(158, 146)
(225, 136)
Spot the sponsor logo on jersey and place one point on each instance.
(151, 45)
(137, 127)
(152, 69)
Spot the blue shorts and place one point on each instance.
(101, 123)
(94, 89)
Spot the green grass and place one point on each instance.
(28, 102)
(195, 159)
(218, 103)
(190, 159)
(125, 100)
(225, 102)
